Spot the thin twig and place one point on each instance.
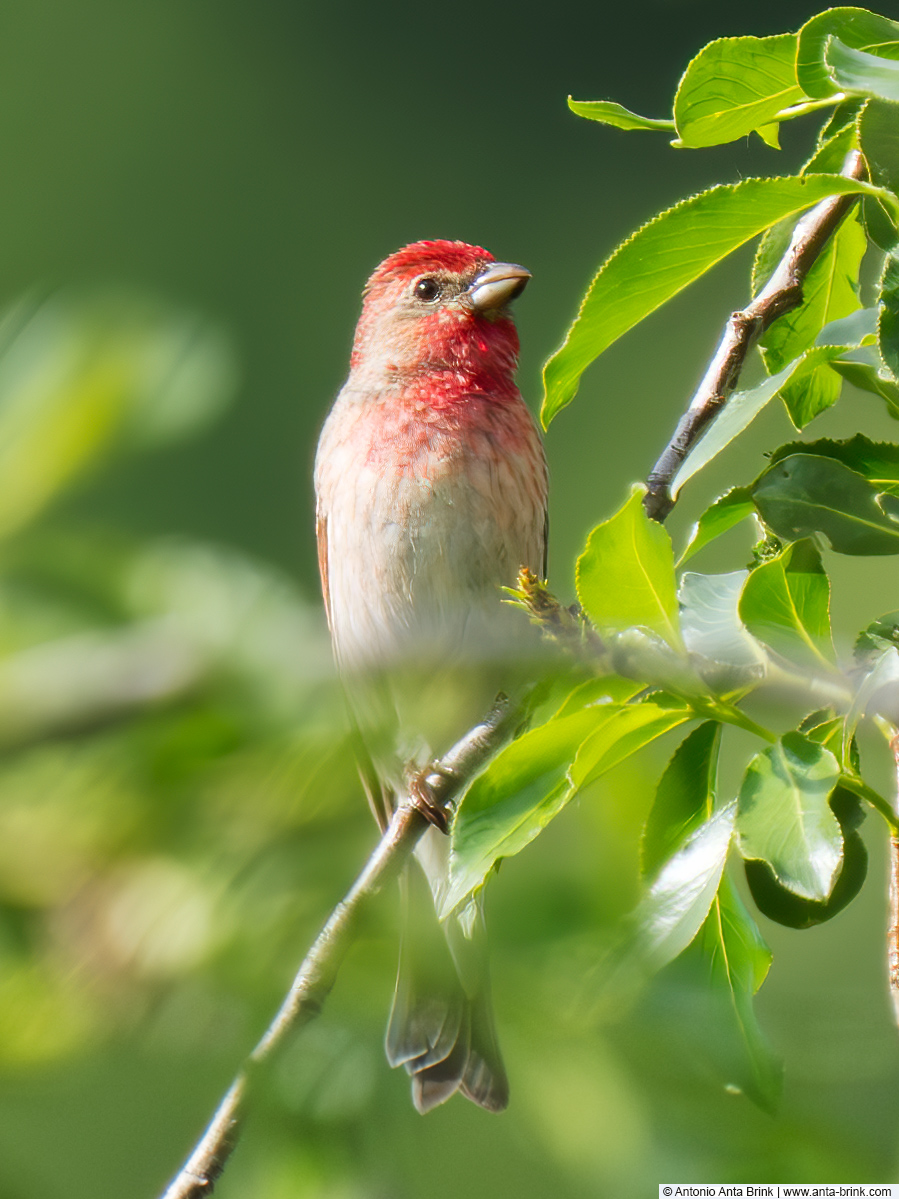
(781, 294)
(568, 628)
(317, 974)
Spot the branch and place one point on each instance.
(781, 294)
(450, 776)
(568, 628)
(318, 972)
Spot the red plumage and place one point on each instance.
(423, 256)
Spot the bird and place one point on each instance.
(431, 494)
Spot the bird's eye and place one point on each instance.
(427, 290)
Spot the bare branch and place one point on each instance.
(782, 294)
(317, 974)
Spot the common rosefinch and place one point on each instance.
(430, 484)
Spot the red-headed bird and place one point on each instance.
(431, 484)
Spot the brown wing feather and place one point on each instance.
(321, 536)
(380, 796)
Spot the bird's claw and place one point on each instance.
(423, 798)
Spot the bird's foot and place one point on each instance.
(423, 797)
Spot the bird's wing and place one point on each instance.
(380, 794)
(321, 537)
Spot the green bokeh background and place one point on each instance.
(160, 879)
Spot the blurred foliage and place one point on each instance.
(167, 719)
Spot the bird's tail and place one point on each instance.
(441, 1025)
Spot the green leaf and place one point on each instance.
(888, 324)
(836, 139)
(529, 782)
(786, 604)
(880, 635)
(877, 461)
(685, 797)
(784, 817)
(772, 246)
(877, 691)
(673, 250)
(878, 131)
(879, 142)
(733, 86)
(726, 512)
(784, 906)
(527, 776)
(863, 73)
(880, 226)
(860, 326)
(609, 113)
(625, 577)
(855, 27)
(738, 961)
(744, 406)
(830, 292)
(864, 369)
(617, 738)
(672, 911)
(713, 631)
(770, 134)
(811, 395)
(825, 728)
(600, 692)
(806, 494)
(829, 730)
(844, 115)
(876, 682)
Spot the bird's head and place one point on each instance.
(437, 306)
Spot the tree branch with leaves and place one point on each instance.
(660, 648)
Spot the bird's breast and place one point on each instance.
(428, 511)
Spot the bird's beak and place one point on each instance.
(497, 285)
